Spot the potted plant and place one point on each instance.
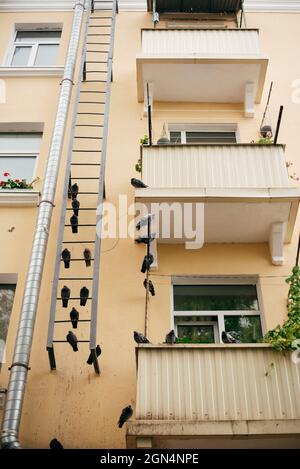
(10, 183)
(143, 141)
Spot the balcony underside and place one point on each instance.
(202, 79)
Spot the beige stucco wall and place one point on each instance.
(73, 404)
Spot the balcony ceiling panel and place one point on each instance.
(196, 6)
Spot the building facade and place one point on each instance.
(187, 113)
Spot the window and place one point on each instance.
(7, 293)
(203, 311)
(203, 133)
(35, 48)
(18, 154)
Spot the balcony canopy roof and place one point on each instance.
(196, 6)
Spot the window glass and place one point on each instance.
(20, 142)
(175, 137)
(38, 36)
(21, 56)
(210, 137)
(215, 297)
(46, 55)
(19, 167)
(198, 334)
(247, 329)
(7, 293)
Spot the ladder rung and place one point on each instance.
(73, 260)
(75, 298)
(87, 91)
(84, 208)
(92, 138)
(96, 61)
(100, 26)
(65, 341)
(96, 51)
(87, 151)
(69, 320)
(88, 193)
(85, 164)
(89, 125)
(99, 34)
(91, 102)
(94, 81)
(90, 113)
(101, 17)
(85, 224)
(75, 278)
(78, 242)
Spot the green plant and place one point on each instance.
(282, 337)
(10, 183)
(265, 141)
(144, 140)
(138, 166)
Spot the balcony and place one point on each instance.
(239, 193)
(229, 393)
(211, 66)
(204, 6)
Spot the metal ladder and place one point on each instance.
(88, 153)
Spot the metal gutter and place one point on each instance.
(20, 366)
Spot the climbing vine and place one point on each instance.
(283, 337)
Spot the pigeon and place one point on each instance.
(144, 221)
(125, 415)
(66, 257)
(150, 286)
(84, 294)
(137, 184)
(72, 339)
(75, 206)
(74, 316)
(140, 338)
(74, 191)
(87, 257)
(55, 444)
(171, 337)
(74, 223)
(229, 339)
(145, 239)
(148, 260)
(98, 352)
(65, 295)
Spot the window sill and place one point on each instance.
(19, 198)
(261, 345)
(31, 71)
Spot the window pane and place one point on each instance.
(7, 293)
(210, 137)
(19, 167)
(215, 298)
(21, 56)
(20, 142)
(46, 55)
(247, 329)
(175, 137)
(40, 36)
(196, 334)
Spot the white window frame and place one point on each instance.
(23, 154)
(34, 44)
(226, 280)
(210, 127)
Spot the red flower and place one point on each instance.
(2, 183)
(6, 174)
(17, 180)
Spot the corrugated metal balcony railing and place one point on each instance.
(216, 383)
(218, 66)
(243, 191)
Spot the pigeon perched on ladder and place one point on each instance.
(171, 337)
(72, 340)
(74, 223)
(76, 206)
(66, 257)
(127, 412)
(140, 338)
(74, 316)
(87, 257)
(98, 353)
(65, 295)
(74, 191)
(84, 294)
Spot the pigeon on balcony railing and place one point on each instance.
(137, 184)
(229, 339)
(140, 338)
(127, 412)
(171, 337)
(55, 444)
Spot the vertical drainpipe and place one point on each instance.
(20, 366)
